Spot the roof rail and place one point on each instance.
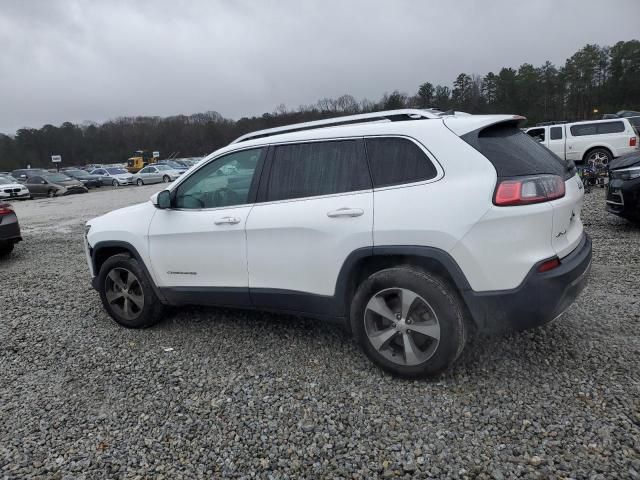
(388, 115)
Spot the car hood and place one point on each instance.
(89, 177)
(12, 185)
(69, 183)
(123, 176)
(625, 161)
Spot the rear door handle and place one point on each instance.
(345, 212)
(227, 221)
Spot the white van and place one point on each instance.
(597, 141)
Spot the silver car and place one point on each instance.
(156, 174)
(113, 176)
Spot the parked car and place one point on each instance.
(156, 174)
(623, 191)
(596, 142)
(113, 176)
(12, 189)
(54, 185)
(88, 180)
(23, 173)
(9, 229)
(173, 165)
(415, 233)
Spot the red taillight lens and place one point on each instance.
(5, 210)
(527, 190)
(632, 141)
(549, 265)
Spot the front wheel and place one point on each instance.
(139, 182)
(114, 183)
(127, 294)
(408, 322)
(166, 179)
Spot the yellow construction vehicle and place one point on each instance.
(141, 159)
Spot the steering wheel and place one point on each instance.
(225, 196)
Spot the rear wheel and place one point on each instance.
(409, 322)
(139, 182)
(51, 193)
(5, 248)
(127, 294)
(598, 158)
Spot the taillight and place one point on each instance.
(5, 210)
(549, 265)
(527, 190)
(632, 141)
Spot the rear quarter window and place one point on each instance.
(395, 161)
(513, 153)
(597, 128)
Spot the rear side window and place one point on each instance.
(395, 161)
(597, 128)
(514, 153)
(555, 133)
(317, 168)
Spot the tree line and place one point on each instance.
(595, 80)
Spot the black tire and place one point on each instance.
(442, 299)
(150, 313)
(5, 248)
(51, 193)
(115, 183)
(139, 182)
(166, 179)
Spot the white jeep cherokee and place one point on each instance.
(415, 227)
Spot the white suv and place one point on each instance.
(416, 228)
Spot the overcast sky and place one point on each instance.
(75, 60)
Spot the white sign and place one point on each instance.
(156, 154)
(56, 158)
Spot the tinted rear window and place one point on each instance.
(514, 153)
(597, 128)
(317, 168)
(395, 161)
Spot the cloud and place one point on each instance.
(80, 60)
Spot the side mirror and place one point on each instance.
(163, 199)
(44, 182)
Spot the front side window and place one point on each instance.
(537, 134)
(555, 133)
(225, 182)
(394, 161)
(317, 168)
(145, 170)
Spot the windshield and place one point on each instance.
(116, 171)
(163, 167)
(4, 181)
(76, 173)
(173, 164)
(9, 177)
(57, 177)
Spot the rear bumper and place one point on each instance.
(9, 229)
(540, 298)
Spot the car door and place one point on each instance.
(198, 246)
(556, 141)
(145, 175)
(315, 208)
(36, 185)
(104, 178)
(154, 175)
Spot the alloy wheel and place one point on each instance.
(598, 158)
(124, 293)
(402, 326)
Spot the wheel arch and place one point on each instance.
(597, 147)
(363, 262)
(101, 251)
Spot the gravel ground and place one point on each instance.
(213, 393)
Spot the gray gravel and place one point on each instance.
(212, 393)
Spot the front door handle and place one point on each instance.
(227, 221)
(345, 212)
